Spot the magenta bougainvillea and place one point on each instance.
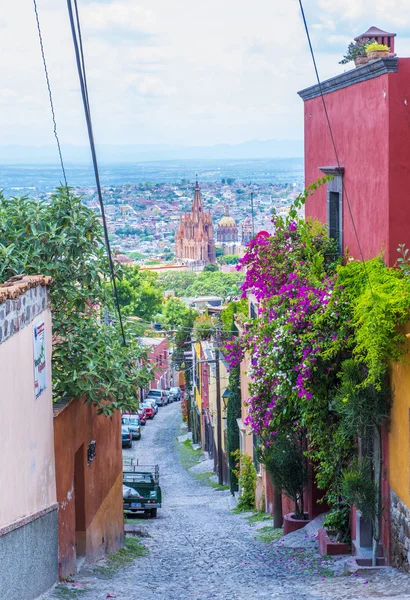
(292, 275)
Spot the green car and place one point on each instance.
(141, 489)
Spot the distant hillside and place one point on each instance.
(141, 153)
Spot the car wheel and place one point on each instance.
(153, 513)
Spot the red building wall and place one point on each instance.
(371, 127)
(89, 495)
(159, 358)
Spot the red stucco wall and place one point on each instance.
(158, 356)
(102, 515)
(371, 127)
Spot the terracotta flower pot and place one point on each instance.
(376, 54)
(290, 524)
(329, 548)
(361, 60)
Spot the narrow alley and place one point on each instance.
(199, 549)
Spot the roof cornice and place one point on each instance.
(373, 69)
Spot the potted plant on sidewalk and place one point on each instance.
(286, 464)
(334, 538)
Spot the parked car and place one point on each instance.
(160, 397)
(153, 403)
(149, 410)
(134, 425)
(142, 415)
(126, 437)
(175, 393)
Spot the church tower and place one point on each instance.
(194, 241)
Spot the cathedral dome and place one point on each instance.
(227, 221)
(227, 229)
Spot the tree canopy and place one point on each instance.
(138, 292)
(186, 284)
(62, 238)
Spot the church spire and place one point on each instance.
(197, 204)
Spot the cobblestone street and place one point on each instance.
(200, 550)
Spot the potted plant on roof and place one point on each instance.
(375, 51)
(356, 52)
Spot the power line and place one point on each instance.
(132, 321)
(79, 54)
(344, 190)
(40, 37)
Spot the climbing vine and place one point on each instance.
(322, 321)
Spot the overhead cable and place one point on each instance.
(40, 37)
(79, 54)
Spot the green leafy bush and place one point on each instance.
(337, 523)
(246, 474)
(360, 488)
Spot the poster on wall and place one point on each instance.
(40, 369)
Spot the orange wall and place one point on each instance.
(75, 425)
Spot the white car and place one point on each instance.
(175, 393)
(160, 397)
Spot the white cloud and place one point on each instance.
(182, 72)
(119, 16)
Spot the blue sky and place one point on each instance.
(183, 72)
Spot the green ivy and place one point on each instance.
(379, 299)
(233, 412)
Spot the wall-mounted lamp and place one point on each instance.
(225, 398)
(91, 452)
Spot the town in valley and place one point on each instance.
(204, 349)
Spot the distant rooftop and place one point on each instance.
(150, 342)
(19, 284)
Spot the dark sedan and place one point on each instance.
(126, 437)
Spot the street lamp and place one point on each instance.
(225, 397)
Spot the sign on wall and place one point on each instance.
(40, 370)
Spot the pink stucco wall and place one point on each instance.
(27, 467)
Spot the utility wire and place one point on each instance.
(79, 54)
(40, 37)
(187, 329)
(344, 190)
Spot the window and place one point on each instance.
(335, 204)
(253, 310)
(334, 220)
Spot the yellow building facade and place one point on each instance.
(399, 462)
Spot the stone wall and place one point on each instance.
(400, 532)
(28, 557)
(16, 313)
